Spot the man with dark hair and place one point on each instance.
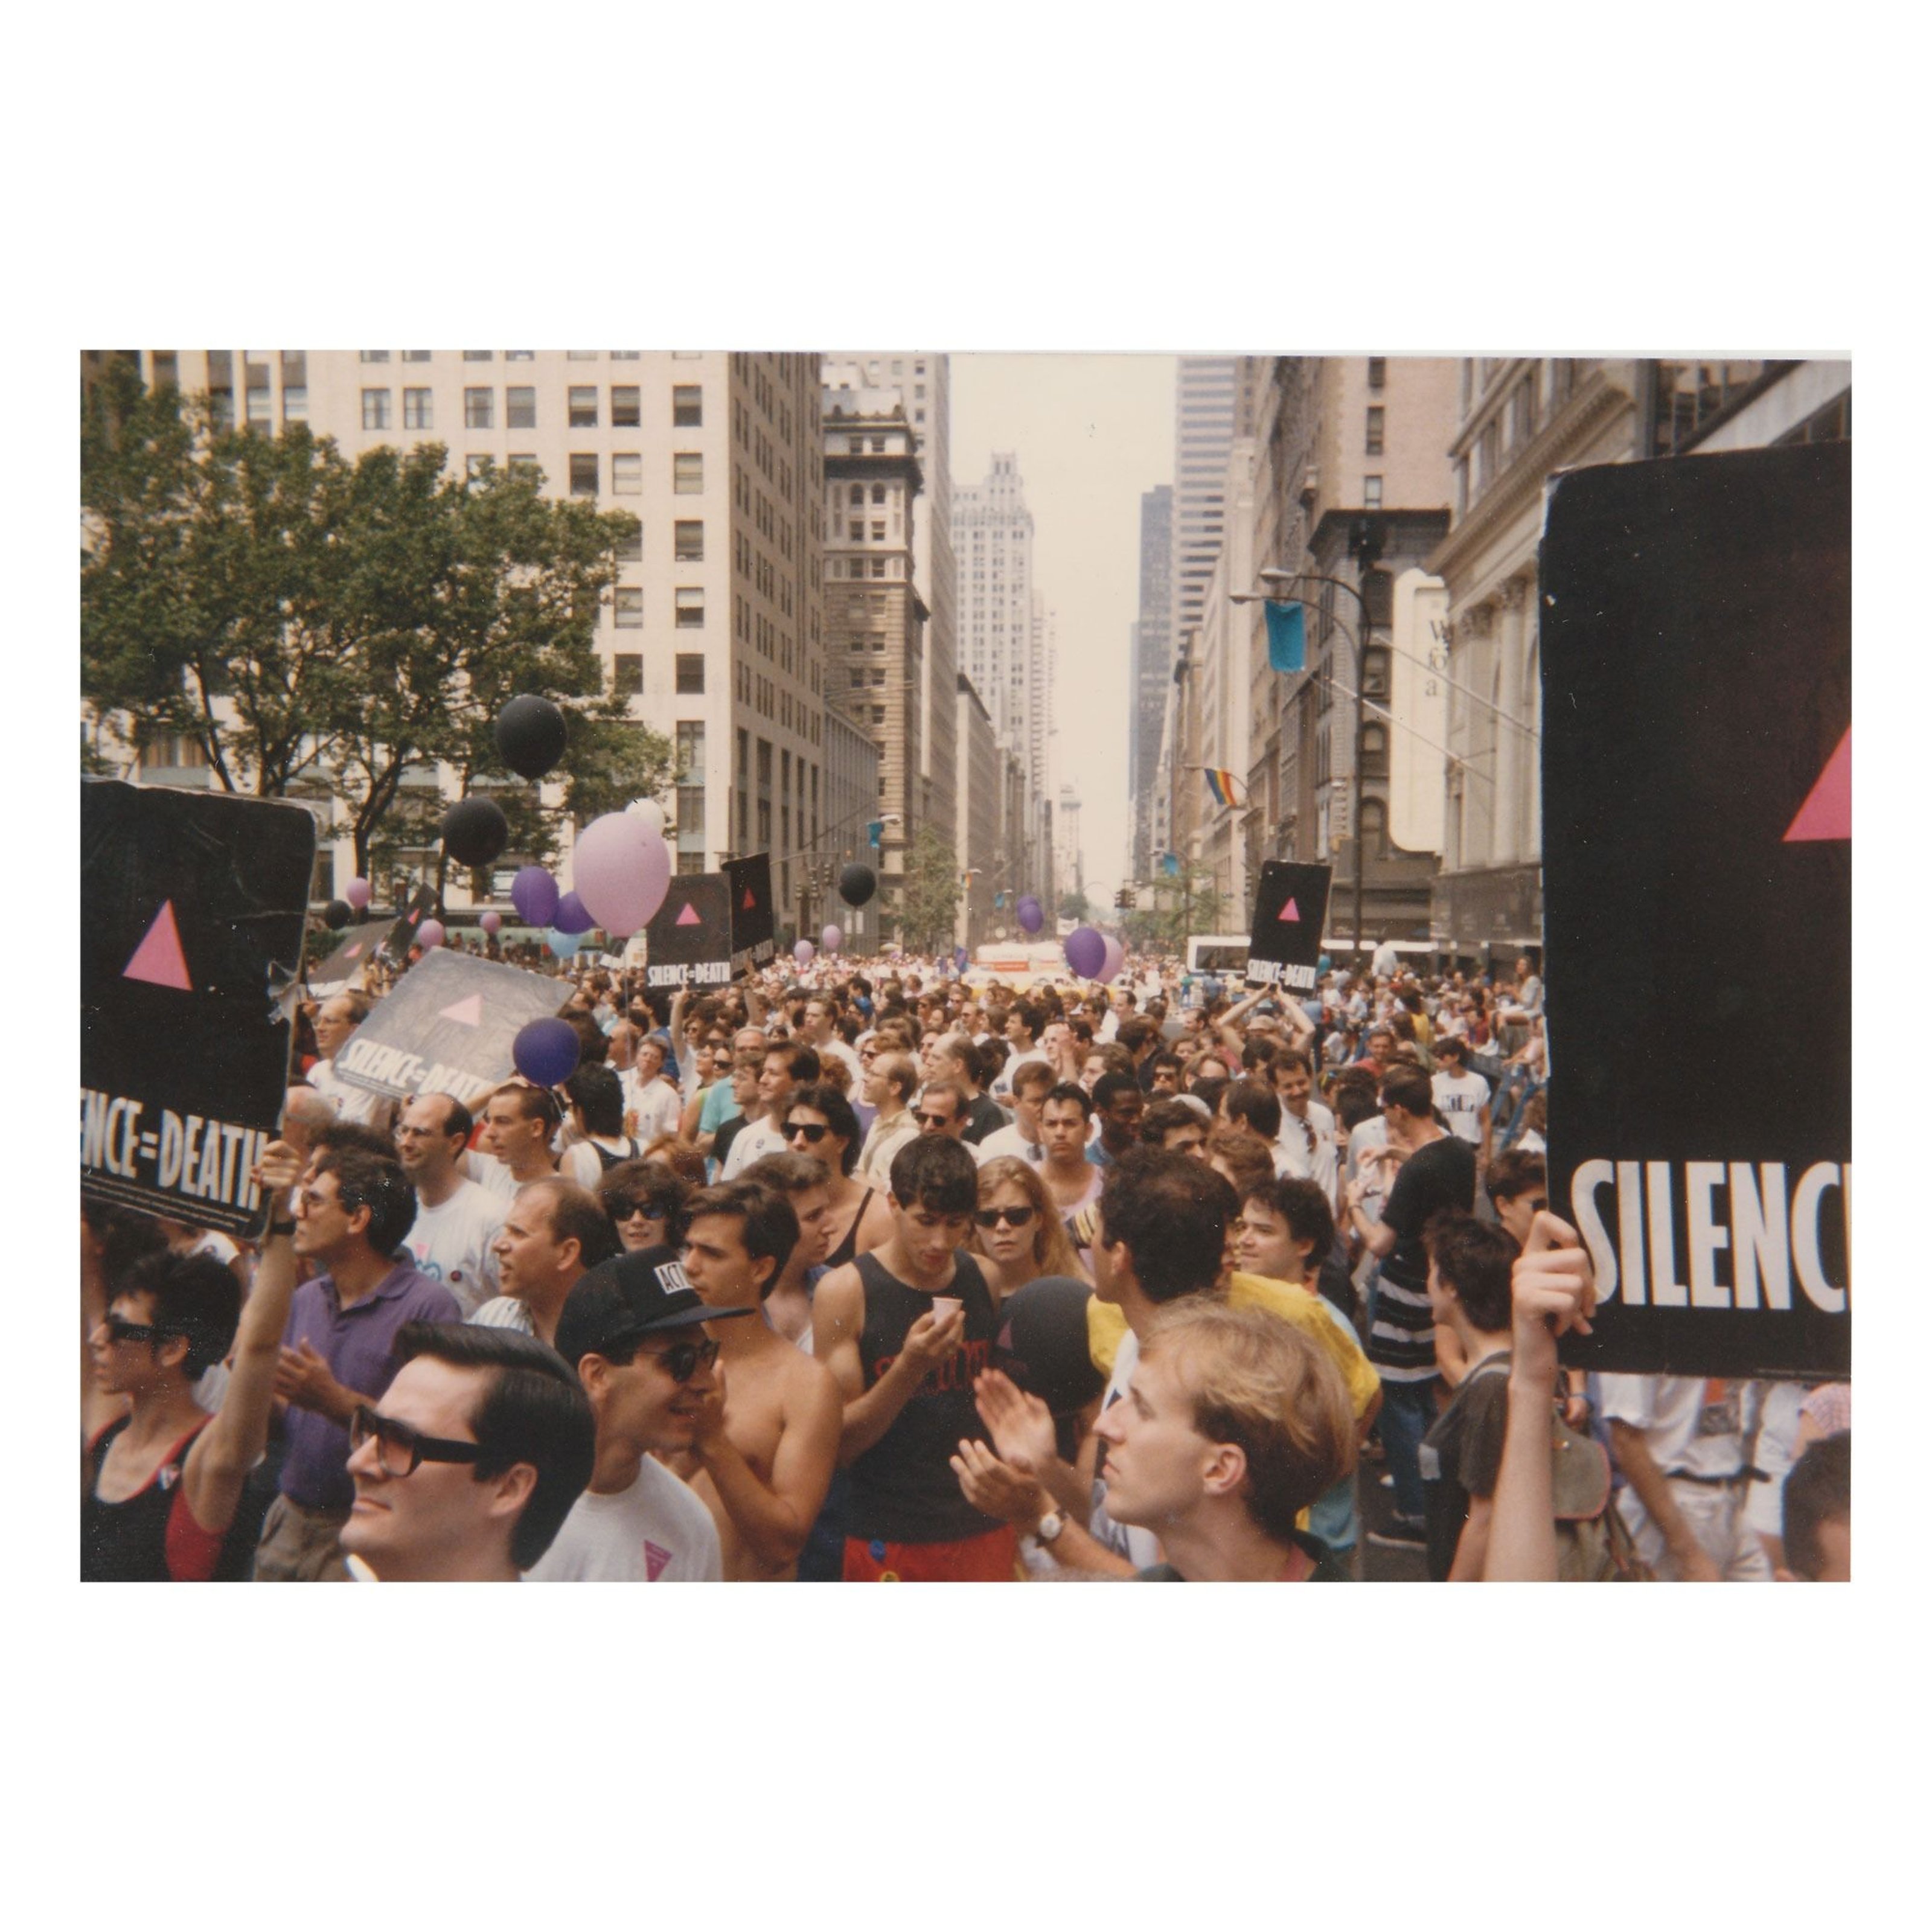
(1139, 1037)
(957, 1059)
(352, 1211)
(1307, 1137)
(457, 1221)
(789, 1064)
(1469, 1264)
(1024, 1019)
(1461, 1096)
(1021, 1139)
(764, 1454)
(1119, 1103)
(904, 1330)
(464, 1472)
(634, 1328)
(519, 1122)
(1436, 1170)
(1817, 1518)
(887, 1085)
(1072, 1180)
(1173, 1127)
(943, 1110)
(552, 1234)
(599, 1142)
(1250, 1107)
(1161, 1074)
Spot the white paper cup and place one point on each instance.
(946, 1305)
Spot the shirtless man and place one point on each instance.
(805, 1181)
(767, 1442)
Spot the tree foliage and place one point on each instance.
(351, 628)
(929, 898)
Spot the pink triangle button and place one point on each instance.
(657, 1559)
(465, 1013)
(688, 917)
(751, 901)
(159, 959)
(1289, 911)
(1827, 813)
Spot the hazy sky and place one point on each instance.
(1092, 434)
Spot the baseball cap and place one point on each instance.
(628, 1296)
(1043, 1345)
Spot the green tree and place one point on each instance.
(929, 898)
(1076, 906)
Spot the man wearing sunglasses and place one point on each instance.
(474, 1456)
(634, 1328)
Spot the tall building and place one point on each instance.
(1204, 397)
(712, 631)
(1042, 676)
(923, 382)
(1005, 638)
(979, 763)
(851, 807)
(875, 622)
(1153, 664)
(1224, 640)
(1070, 866)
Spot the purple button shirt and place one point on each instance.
(355, 1341)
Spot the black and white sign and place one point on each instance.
(403, 930)
(754, 919)
(1291, 910)
(192, 906)
(346, 965)
(1695, 639)
(689, 939)
(448, 1027)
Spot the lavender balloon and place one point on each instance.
(533, 893)
(803, 952)
(573, 915)
(492, 923)
(357, 893)
(1117, 956)
(1086, 952)
(831, 939)
(429, 934)
(621, 871)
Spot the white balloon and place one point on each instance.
(649, 811)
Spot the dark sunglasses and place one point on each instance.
(402, 1450)
(682, 1360)
(934, 1120)
(814, 1131)
(120, 1330)
(1011, 1217)
(621, 1207)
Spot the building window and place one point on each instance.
(687, 473)
(1522, 411)
(583, 476)
(1375, 674)
(1375, 828)
(476, 468)
(375, 408)
(520, 409)
(687, 542)
(627, 674)
(1373, 444)
(878, 493)
(295, 386)
(857, 495)
(1372, 492)
(1462, 486)
(631, 549)
(627, 475)
(690, 609)
(627, 611)
(479, 409)
(626, 406)
(878, 566)
(687, 406)
(1378, 371)
(375, 356)
(857, 532)
(879, 532)
(418, 411)
(690, 674)
(858, 678)
(583, 409)
(581, 355)
(623, 354)
(1375, 753)
(526, 465)
(479, 355)
(1490, 451)
(519, 354)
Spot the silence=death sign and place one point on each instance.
(192, 908)
(1291, 912)
(753, 920)
(449, 1027)
(1696, 639)
(689, 940)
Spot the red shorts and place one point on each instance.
(990, 1559)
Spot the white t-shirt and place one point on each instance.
(1141, 1547)
(1690, 1426)
(1298, 1161)
(504, 1312)
(451, 1243)
(1010, 1140)
(658, 1107)
(754, 1143)
(351, 1103)
(581, 1165)
(1462, 1097)
(656, 1531)
(494, 1176)
(1002, 1084)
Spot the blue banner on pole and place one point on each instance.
(1170, 863)
(1288, 642)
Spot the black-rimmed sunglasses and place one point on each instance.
(120, 1331)
(621, 1207)
(682, 1360)
(402, 1450)
(1012, 1217)
(814, 1131)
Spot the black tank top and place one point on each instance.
(903, 1487)
(127, 1542)
(848, 1249)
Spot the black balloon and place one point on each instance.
(531, 735)
(336, 914)
(857, 884)
(475, 831)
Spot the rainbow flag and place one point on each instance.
(1220, 785)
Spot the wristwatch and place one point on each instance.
(281, 1227)
(1048, 1529)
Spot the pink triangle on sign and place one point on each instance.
(465, 1013)
(1288, 912)
(159, 959)
(350, 952)
(688, 917)
(656, 1560)
(751, 901)
(1827, 812)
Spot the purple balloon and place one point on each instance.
(831, 939)
(621, 871)
(492, 923)
(545, 1052)
(1117, 956)
(533, 893)
(803, 952)
(573, 915)
(1086, 952)
(1029, 914)
(429, 934)
(356, 893)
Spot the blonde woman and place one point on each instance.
(1017, 1227)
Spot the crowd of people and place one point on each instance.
(864, 1271)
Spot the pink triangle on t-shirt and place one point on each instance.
(159, 959)
(688, 917)
(465, 1013)
(656, 1560)
(1288, 912)
(1826, 813)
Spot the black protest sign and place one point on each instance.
(192, 905)
(1290, 911)
(345, 966)
(1696, 637)
(395, 949)
(689, 937)
(448, 1028)
(753, 920)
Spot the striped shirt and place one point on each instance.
(1402, 1339)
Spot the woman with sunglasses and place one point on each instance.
(1017, 1228)
(645, 1200)
(820, 1120)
